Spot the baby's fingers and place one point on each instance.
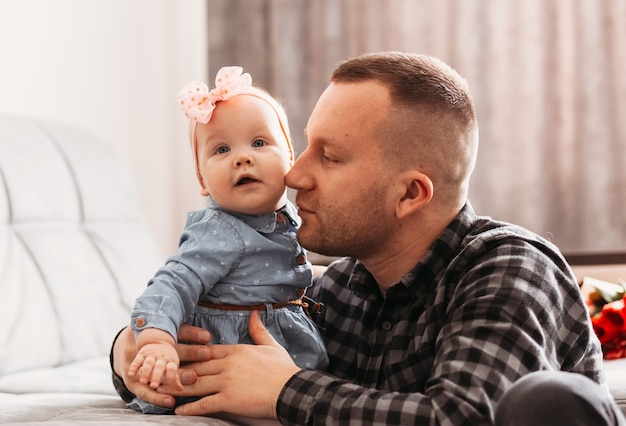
(145, 372)
(136, 365)
(158, 373)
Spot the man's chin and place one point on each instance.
(304, 238)
(309, 239)
(317, 246)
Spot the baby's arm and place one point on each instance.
(157, 361)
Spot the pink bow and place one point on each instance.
(198, 103)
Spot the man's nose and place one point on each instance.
(296, 178)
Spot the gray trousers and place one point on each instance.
(554, 398)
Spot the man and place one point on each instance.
(434, 313)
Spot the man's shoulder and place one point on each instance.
(470, 235)
(488, 233)
(506, 246)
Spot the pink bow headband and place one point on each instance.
(198, 103)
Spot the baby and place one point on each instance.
(239, 254)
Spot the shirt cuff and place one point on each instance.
(303, 395)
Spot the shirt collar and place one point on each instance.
(421, 279)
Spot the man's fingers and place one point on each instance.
(150, 395)
(193, 334)
(258, 332)
(197, 339)
(187, 377)
(203, 386)
(207, 405)
(198, 352)
(221, 399)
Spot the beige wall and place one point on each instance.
(115, 67)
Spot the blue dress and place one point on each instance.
(227, 258)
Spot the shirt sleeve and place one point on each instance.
(118, 382)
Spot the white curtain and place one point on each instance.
(547, 77)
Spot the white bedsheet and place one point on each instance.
(79, 394)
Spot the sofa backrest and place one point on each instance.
(75, 248)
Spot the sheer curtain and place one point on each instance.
(547, 77)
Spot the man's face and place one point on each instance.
(341, 178)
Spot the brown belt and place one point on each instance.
(258, 307)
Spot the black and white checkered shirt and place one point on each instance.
(489, 303)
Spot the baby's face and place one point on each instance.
(243, 156)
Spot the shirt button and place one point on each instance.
(301, 259)
(140, 322)
(386, 325)
(280, 218)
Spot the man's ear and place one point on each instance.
(417, 189)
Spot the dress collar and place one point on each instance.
(265, 223)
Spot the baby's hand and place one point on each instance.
(156, 364)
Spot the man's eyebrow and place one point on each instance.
(323, 142)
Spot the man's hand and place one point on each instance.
(241, 379)
(125, 350)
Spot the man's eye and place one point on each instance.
(328, 159)
(258, 143)
(222, 150)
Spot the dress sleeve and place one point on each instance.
(208, 250)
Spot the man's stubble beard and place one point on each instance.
(347, 232)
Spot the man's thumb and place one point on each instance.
(258, 332)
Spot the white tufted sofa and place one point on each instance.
(75, 252)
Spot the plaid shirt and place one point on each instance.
(488, 303)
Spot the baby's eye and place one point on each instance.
(222, 150)
(258, 143)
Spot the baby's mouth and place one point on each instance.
(246, 180)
